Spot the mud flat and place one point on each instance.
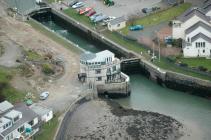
(107, 120)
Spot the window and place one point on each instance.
(204, 44)
(99, 79)
(21, 129)
(98, 71)
(118, 25)
(203, 51)
(16, 119)
(188, 39)
(196, 45)
(31, 123)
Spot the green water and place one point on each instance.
(194, 112)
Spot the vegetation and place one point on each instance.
(161, 16)
(52, 35)
(33, 56)
(47, 69)
(196, 62)
(7, 92)
(1, 49)
(48, 130)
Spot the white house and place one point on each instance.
(117, 23)
(17, 122)
(102, 70)
(188, 19)
(44, 113)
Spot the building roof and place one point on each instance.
(12, 114)
(200, 35)
(4, 106)
(117, 20)
(87, 56)
(40, 110)
(198, 24)
(207, 8)
(27, 116)
(195, 11)
(98, 57)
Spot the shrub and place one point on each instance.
(47, 69)
(171, 59)
(177, 42)
(183, 65)
(201, 68)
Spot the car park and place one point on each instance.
(78, 5)
(107, 20)
(136, 27)
(44, 95)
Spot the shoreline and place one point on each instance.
(106, 119)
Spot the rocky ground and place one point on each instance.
(100, 119)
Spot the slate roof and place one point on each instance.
(4, 106)
(198, 24)
(117, 20)
(192, 12)
(200, 35)
(207, 8)
(27, 115)
(87, 56)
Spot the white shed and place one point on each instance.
(44, 113)
(117, 23)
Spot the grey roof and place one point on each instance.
(87, 56)
(200, 35)
(117, 20)
(1, 138)
(192, 12)
(4, 106)
(40, 110)
(27, 115)
(198, 24)
(207, 8)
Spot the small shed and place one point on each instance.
(44, 113)
(117, 23)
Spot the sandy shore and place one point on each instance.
(100, 119)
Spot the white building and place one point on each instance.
(17, 122)
(117, 23)
(194, 27)
(44, 113)
(102, 70)
(188, 19)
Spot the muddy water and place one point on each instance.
(194, 112)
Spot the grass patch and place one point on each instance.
(196, 62)
(80, 18)
(164, 64)
(48, 130)
(161, 16)
(7, 92)
(53, 36)
(33, 56)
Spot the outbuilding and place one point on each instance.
(44, 113)
(117, 23)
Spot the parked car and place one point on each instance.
(136, 27)
(78, 5)
(84, 10)
(95, 15)
(107, 20)
(44, 95)
(73, 3)
(90, 13)
(149, 10)
(100, 18)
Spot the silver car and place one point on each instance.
(44, 95)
